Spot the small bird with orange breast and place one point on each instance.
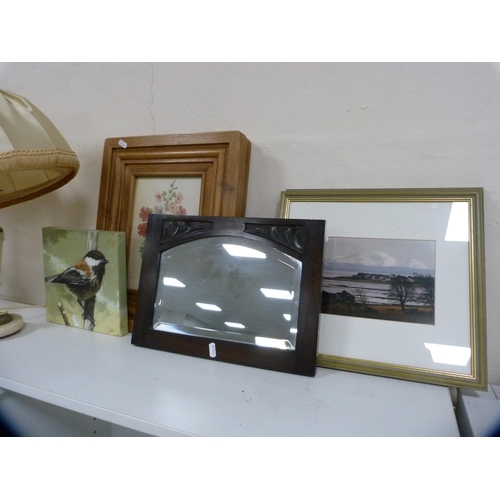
(83, 279)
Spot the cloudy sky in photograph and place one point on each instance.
(372, 253)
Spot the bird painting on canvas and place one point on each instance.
(84, 280)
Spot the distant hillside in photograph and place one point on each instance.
(377, 263)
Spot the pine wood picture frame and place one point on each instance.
(218, 162)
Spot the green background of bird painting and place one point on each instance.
(62, 248)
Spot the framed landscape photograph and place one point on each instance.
(403, 289)
(180, 174)
(379, 278)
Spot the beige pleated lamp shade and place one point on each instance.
(35, 159)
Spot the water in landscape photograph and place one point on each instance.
(387, 279)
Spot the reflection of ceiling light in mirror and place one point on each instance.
(449, 354)
(240, 251)
(234, 325)
(277, 343)
(458, 223)
(271, 293)
(173, 282)
(208, 307)
(288, 317)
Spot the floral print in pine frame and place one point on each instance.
(166, 202)
(158, 195)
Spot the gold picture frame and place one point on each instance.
(447, 349)
(213, 166)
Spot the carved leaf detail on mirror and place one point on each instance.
(291, 236)
(178, 229)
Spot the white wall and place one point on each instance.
(325, 125)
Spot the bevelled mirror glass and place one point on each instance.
(240, 290)
(202, 285)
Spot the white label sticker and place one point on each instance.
(122, 143)
(211, 350)
(75, 321)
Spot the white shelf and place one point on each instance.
(478, 412)
(165, 394)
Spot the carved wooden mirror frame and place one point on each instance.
(301, 240)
